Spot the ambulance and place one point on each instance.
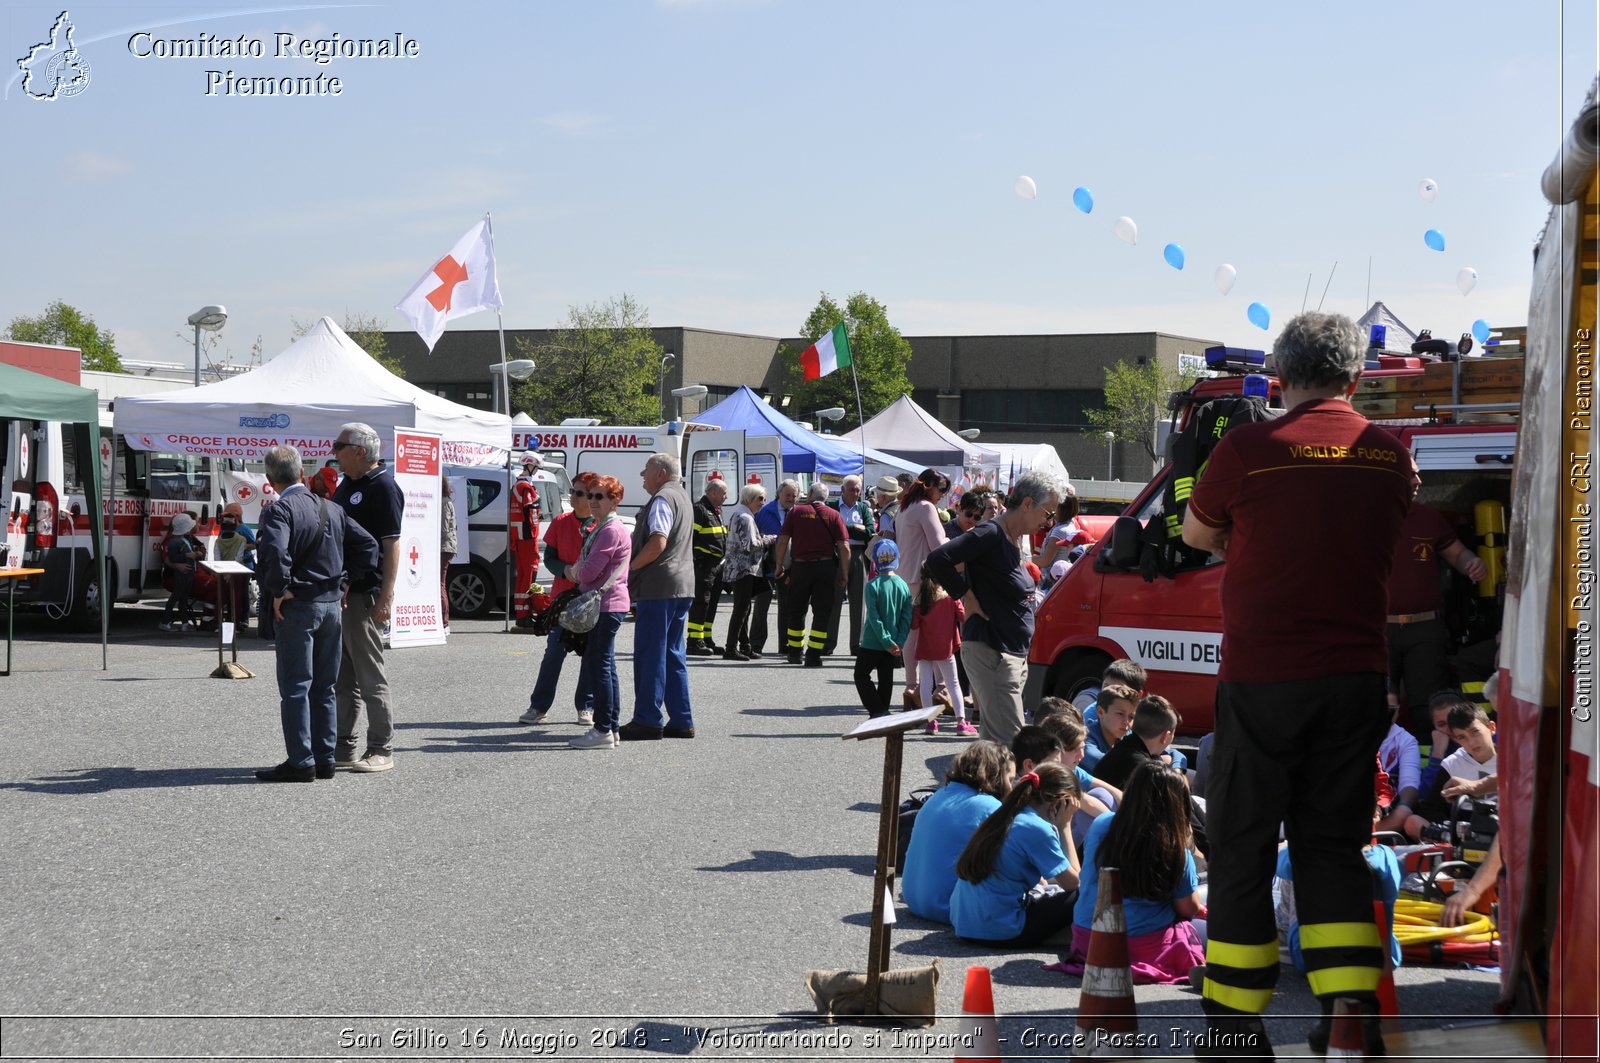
(42, 492)
(1458, 416)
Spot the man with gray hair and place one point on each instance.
(661, 582)
(860, 525)
(984, 569)
(304, 548)
(369, 497)
(1307, 509)
(770, 522)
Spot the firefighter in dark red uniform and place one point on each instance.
(525, 537)
(814, 534)
(1307, 509)
(1419, 638)
(710, 547)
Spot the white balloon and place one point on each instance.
(1025, 188)
(1225, 277)
(1428, 189)
(1126, 230)
(1467, 279)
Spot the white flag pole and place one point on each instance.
(505, 402)
(860, 418)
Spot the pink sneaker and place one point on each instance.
(965, 729)
(931, 727)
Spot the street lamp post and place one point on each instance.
(516, 369)
(1111, 438)
(661, 382)
(210, 318)
(688, 391)
(832, 413)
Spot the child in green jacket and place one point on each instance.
(883, 629)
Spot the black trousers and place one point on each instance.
(747, 590)
(856, 583)
(875, 680)
(1419, 667)
(707, 595)
(1303, 754)
(759, 602)
(813, 585)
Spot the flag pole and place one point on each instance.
(505, 391)
(860, 418)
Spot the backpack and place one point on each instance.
(1163, 551)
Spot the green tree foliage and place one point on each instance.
(880, 355)
(67, 326)
(367, 333)
(1136, 400)
(601, 362)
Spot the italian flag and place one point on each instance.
(827, 354)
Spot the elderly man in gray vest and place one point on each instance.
(661, 581)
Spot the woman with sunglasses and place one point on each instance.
(563, 544)
(918, 531)
(603, 566)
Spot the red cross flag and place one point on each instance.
(460, 283)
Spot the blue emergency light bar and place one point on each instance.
(1235, 359)
(1257, 385)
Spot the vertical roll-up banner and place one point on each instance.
(417, 468)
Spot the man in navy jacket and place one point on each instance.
(305, 547)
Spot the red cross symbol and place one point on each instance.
(451, 273)
(414, 555)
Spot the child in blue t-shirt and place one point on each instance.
(1148, 839)
(974, 785)
(999, 898)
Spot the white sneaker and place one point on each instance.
(532, 716)
(593, 739)
(586, 717)
(373, 762)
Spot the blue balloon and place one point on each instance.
(1259, 315)
(1083, 199)
(1434, 239)
(1173, 253)
(1480, 330)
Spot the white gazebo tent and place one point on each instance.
(300, 398)
(911, 433)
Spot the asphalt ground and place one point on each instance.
(498, 894)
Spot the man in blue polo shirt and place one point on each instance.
(371, 498)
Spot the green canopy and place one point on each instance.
(35, 397)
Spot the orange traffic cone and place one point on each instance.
(1344, 1036)
(1388, 999)
(1105, 1007)
(980, 1032)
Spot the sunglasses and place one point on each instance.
(595, 496)
(340, 446)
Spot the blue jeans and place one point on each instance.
(661, 662)
(597, 676)
(308, 645)
(544, 688)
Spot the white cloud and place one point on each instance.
(93, 166)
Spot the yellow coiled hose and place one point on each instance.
(1417, 923)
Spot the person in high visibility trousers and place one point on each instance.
(525, 538)
(814, 549)
(710, 547)
(1307, 508)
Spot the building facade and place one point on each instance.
(1014, 389)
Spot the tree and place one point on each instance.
(878, 351)
(67, 326)
(1136, 400)
(600, 362)
(367, 333)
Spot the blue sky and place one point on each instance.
(723, 161)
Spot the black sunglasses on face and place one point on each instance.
(595, 496)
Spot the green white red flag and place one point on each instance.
(830, 352)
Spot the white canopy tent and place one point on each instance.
(1018, 458)
(300, 398)
(911, 433)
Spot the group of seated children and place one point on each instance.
(1461, 763)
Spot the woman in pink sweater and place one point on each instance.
(603, 566)
(918, 531)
